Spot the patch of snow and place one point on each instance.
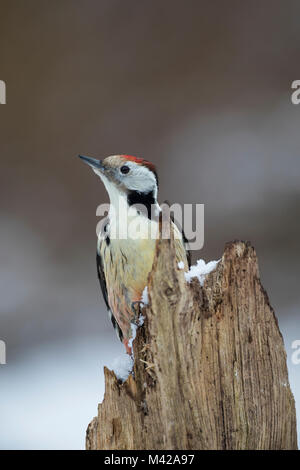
(145, 298)
(200, 270)
(181, 265)
(122, 366)
(134, 328)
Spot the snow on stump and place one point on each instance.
(210, 366)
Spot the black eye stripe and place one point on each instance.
(124, 169)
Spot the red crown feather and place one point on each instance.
(141, 161)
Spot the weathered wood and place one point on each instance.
(210, 366)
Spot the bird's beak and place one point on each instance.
(92, 162)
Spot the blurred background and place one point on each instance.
(200, 88)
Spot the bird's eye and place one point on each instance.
(124, 169)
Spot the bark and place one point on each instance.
(210, 366)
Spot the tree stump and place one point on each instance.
(210, 365)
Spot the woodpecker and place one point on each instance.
(124, 262)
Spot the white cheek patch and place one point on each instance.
(139, 179)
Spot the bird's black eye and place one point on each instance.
(124, 169)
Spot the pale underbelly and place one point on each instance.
(126, 271)
(127, 264)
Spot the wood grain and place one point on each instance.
(210, 366)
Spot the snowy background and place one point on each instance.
(202, 89)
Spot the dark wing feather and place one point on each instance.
(188, 252)
(185, 240)
(101, 277)
(102, 281)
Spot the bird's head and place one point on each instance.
(125, 175)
